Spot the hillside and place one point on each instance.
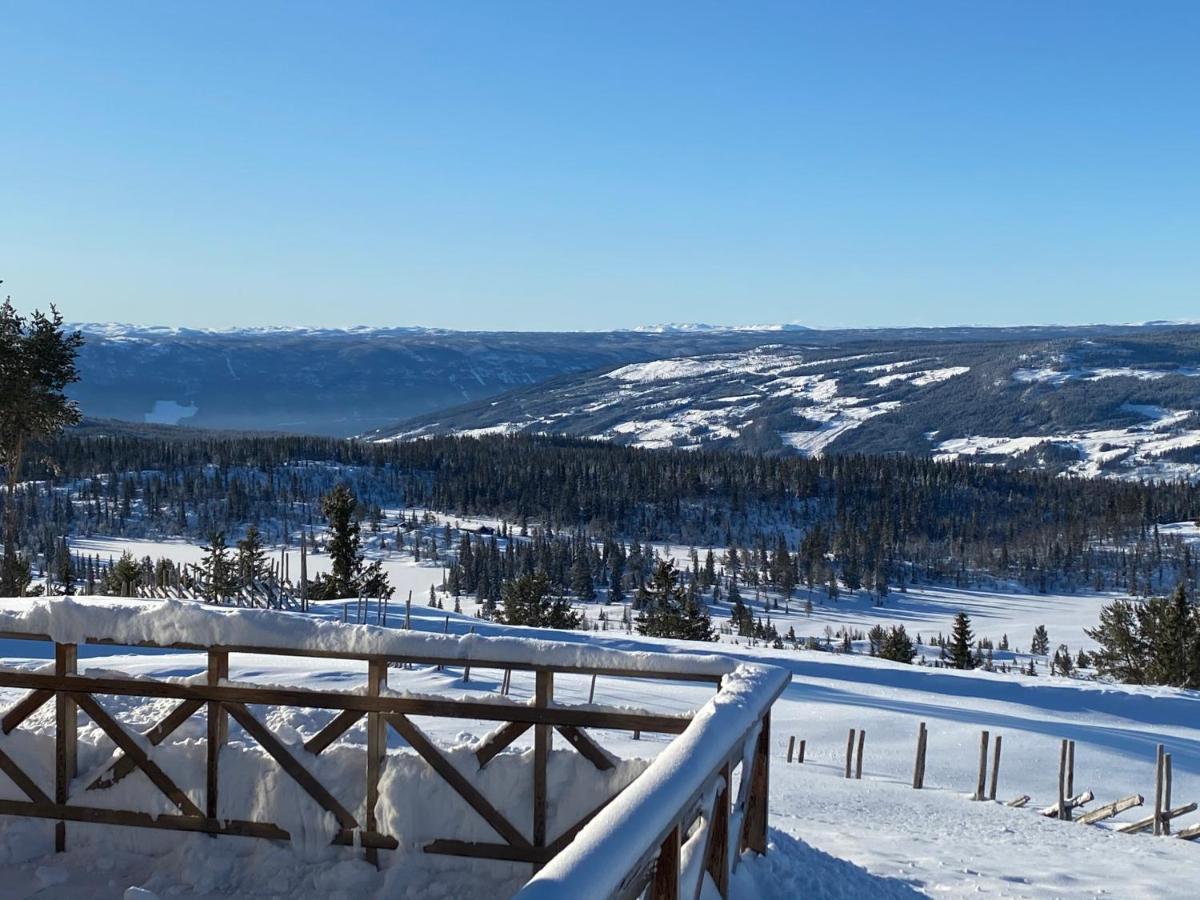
(1088, 405)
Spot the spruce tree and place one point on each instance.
(1040, 645)
(960, 656)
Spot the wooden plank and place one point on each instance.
(340, 724)
(69, 813)
(157, 776)
(156, 735)
(754, 825)
(716, 852)
(66, 736)
(218, 733)
(24, 708)
(480, 850)
(543, 694)
(27, 785)
(1112, 809)
(588, 748)
(430, 753)
(291, 765)
(413, 706)
(498, 740)
(665, 884)
(376, 751)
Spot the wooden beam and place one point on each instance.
(588, 748)
(376, 751)
(1148, 822)
(69, 813)
(9, 767)
(754, 825)
(716, 852)
(498, 740)
(157, 776)
(156, 735)
(218, 732)
(481, 850)
(1018, 802)
(412, 706)
(291, 765)
(542, 738)
(24, 708)
(340, 724)
(430, 753)
(1053, 811)
(66, 734)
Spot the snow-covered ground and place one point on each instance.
(830, 837)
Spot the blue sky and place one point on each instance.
(563, 165)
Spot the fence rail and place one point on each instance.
(703, 814)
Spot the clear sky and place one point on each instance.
(571, 165)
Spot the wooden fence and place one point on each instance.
(73, 693)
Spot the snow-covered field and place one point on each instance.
(831, 837)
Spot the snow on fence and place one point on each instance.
(672, 826)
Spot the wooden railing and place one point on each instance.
(220, 700)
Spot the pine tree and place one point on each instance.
(252, 565)
(1040, 646)
(338, 507)
(897, 646)
(527, 601)
(960, 656)
(217, 569)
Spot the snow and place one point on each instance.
(1053, 376)
(921, 378)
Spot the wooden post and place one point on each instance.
(1070, 768)
(592, 690)
(862, 736)
(995, 767)
(754, 827)
(791, 747)
(542, 739)
(218, 729)
(1166, 825)
(800, 757)
(376, 750)
(981, 779)
(66, 724)
(1062, 782)
(919, 765)
(665, 885)
(408, 612)
(1158, 790)
(717, 859)
(849, 751)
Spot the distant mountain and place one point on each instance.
(1120, 403)
(356, 380)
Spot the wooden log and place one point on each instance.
(981, 777)
(919, 763)
(1019, 802)
(1108, 810)
(996, 744)
(1191, 833)
(1158, 790)
(66, 733)
(800, 756)
(1147, 823)
(1054, 810)
(791, 747)
(862, 736)
(1070, 768)
(849, 751)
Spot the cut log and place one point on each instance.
(1069, 803)
(1018, 802)
(1191, 833)
(1148, 822)
(1111, 809)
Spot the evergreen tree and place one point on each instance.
(897, 646)
(345, 556)
(1040, 645)
(527, 601)
(217, 569)
(667, 611)
(960, 656)
(252, 565)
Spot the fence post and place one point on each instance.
(919, 764)
(1158, 790)
(376, 750)
(800, 757)
(66, 729)
(665, 885)
(1062, 782)
(542, 739)
(981, 779)
(755, 824)
(218, 729)
(717, 860)
(791, 747)
(1070, 770)
(995, 767)
(849, 751)
(862, 736)
(1166, 826)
